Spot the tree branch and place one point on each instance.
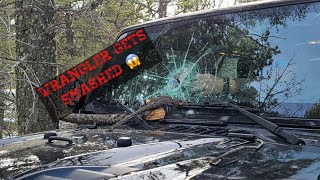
(8, 98)
(99, 119)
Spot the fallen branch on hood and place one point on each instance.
(99, 119)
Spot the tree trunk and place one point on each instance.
(162, 10)
(69, 34)
(2, 108)
(34, 42)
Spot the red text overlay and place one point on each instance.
(102, 58)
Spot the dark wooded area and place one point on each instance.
(46, 37)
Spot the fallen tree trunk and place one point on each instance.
(99, 119)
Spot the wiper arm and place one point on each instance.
(273, 128)
(162, 100)
(135, 116)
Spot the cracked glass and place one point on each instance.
(266, 59)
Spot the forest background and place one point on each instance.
(42, 38)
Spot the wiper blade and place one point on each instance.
(273, 128)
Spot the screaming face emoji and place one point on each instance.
(132, 61)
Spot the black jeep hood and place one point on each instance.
(157, 155)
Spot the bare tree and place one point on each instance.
(285, 83)
(1, 118)
(34, 42)
(162, 9)
(6, 49)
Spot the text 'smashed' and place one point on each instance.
(108, 67)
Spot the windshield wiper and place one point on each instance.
(273, 128)
(134, 116)
(161, 100)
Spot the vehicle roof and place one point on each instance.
(218, 11)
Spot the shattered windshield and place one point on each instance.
(267, 59)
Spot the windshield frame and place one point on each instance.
(214, 12)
